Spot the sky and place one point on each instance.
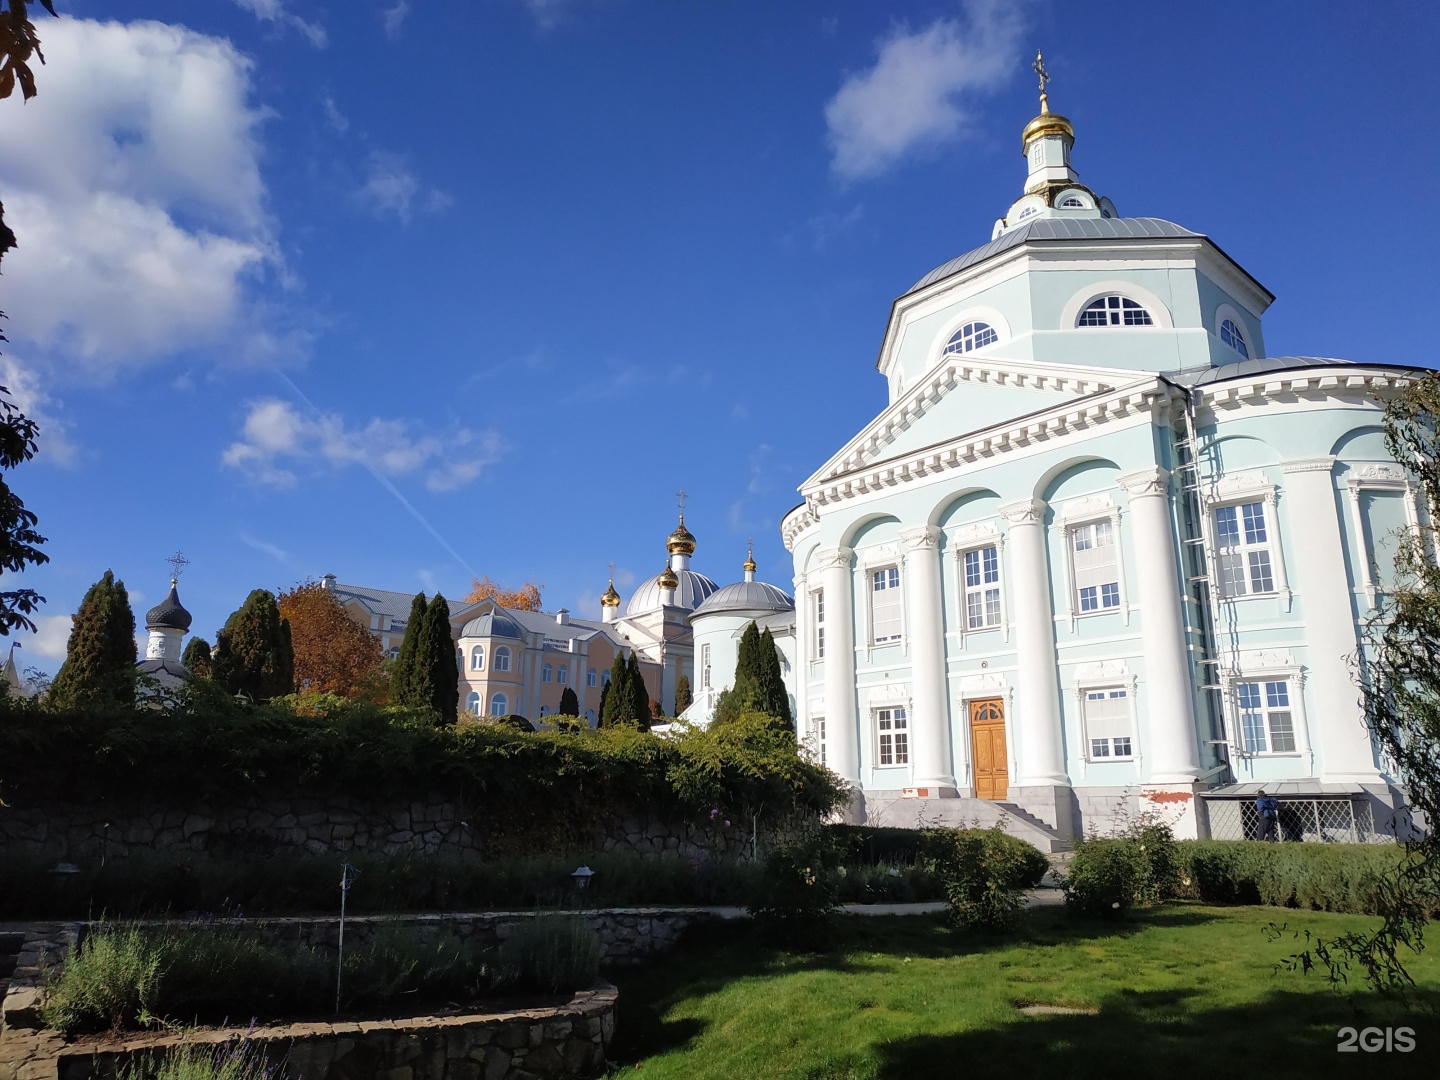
(411, 291)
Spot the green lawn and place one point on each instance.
(1182, 991)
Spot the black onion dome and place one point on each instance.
(169, 614)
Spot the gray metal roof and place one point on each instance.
(496, 623)
(1066, 228)
(693, 590)
(1241, 369)
(747, 597)
(543, 623)
(1310, 788)
(378, 601)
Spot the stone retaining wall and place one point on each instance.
(280, 824)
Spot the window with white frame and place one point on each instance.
(1267, 722)
(819, 608)
(705, 667)
(1242, 550)
(499, 705)
(820, 738)
(502, 658)
(971, 336)
(547, 673)
(1096, 569)
(1115, 310)
(893, 737)
(1109, 729)
(982, 588)
(1230, 335)
(472, 704)
(477, 658)
(562, 675)
(591, 677)
(394, 652)
(885, 605)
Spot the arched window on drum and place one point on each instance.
(971, 336)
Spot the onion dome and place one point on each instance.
(1047, 123)
(492, 624)
(681, 541)
(169, 614)
(610, 598)
(667, 579)
(749, 564)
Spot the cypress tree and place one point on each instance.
(99, 668)
(402, 675)
(640, 695)
(604, 698)
(744, 691)
(441, 674)
(196, 658)
(253, 654)
(771, 698)
(619, 703)
(569, 703)
(683, 697)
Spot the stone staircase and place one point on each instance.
(965, 813)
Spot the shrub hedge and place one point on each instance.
(985, 873)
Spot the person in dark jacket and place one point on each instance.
(1268, 808)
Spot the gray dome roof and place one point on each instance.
(1066, 228)
(1264, 364)
(693, 590)
(169, 614)
(750, 597)
(491, 624)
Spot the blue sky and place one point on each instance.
(406, 290)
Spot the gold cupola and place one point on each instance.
(681, 541)
(749, 564)
(610, 598)
(668, 578)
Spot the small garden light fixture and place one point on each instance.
(582, 877)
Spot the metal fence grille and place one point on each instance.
(1310, 821)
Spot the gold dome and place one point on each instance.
(681, 541)
(610, 598)
(667, 579)
(749, 565)
(1047, 123)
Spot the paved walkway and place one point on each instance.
(1043, 897)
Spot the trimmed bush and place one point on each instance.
(550, 953)
(1106, 878)
(985, 873)
(799, 893)
(865, 845)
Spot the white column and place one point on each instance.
(930, 712)
(1037, 721)
(1323, 584)
(804, 635)
(841, 724)
(1171, 751)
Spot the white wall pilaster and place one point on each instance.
(930, 712)
(841, 723)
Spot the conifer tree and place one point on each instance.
(619, 702)
(569, 703)
(770, 697)
(99, 668)
(402, 675)
(253, 652)
(746, 687)
(196, 658)
(639, 694)
(604, 701)
(437, 665)
(683, 697)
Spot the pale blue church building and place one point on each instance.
(1100, 554)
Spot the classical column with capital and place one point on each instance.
(1171, 750)
(841, 725)
(1316, 558)
(804, 646)
(930, 711)
(1037, 720)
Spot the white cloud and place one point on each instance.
(274, 11)
(53, 441)
(133, 182)
(277, 440)
(333, 116)
(394, 17)
(52, 634)
(391, 188)
(916, 94)
(276, 552)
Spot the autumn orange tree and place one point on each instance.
(334, 653)
(525, 598)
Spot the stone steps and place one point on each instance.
(964, 813)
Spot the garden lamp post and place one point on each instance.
(348, 874)
(581, 877)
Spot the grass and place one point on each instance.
(1181, 990)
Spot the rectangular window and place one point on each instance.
(1267, 724)
(820, 625)
(982, 588)
(820, 737)
(705, 667)
(1242, 542)
(894, 736)
(1107, 724)
(885, 605)
(591, 678)
(1097, 574)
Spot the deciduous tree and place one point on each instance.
(334, 653)
(253, 653)
(99, 668)
(525, 598)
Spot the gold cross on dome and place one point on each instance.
(177, 562)
(681, 496)
(1039, 68)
